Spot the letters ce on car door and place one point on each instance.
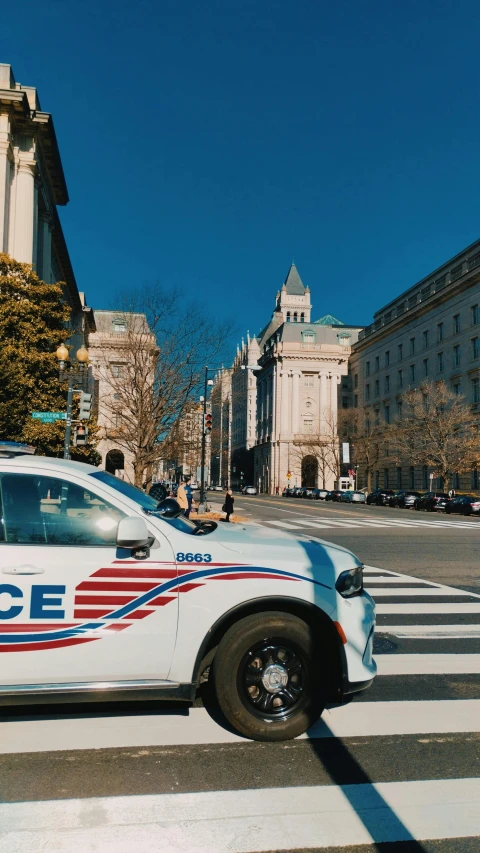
(68, 595)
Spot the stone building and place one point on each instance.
(300, 369)
(221, 435)
(429, 332)
(32, 186)
(244, 412)
(121, 342)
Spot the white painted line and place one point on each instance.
(422, 609)
(403, 579)
(430, 632)
(431, 591)
(290, 525)
(429, 664)
(246, 820)
(197, 728)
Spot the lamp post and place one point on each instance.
(82, 359)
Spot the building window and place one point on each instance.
(117, 370)
(295, 316)
(387, 414)
(476, 390)
(308, 380)
(412, 346)
(440, 332)
(308, 337)
(288, 316)
(399, 478)
(377, 363)
(377, 387)
(367, 391)
(344, 402)
(475, 479)
(412, 374)
(425, 477)
(456, 355)
(400, 379)
(412, 476)
(117, 420)
(367, 426)
(387, 384)
(440, 362)
(308, 425)
(376, 482)
(119, 326)
(475, 348)
(344, 339)
(456, 481)
(355, 381)
(385, 478)
(425, 366)
(399, 409)
(474, 315)
(457, 388)
(387, 358)
(425, 339)
(302, 317)
(400, 352)
(355, 401)
(367, 368)
(456, 324)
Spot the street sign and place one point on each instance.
(345, 452)
(49, 417)
(289, 475)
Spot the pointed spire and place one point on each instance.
(293, 283)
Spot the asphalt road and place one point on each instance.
(442, 548)
(395, 770)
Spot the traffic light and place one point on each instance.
(208, 424)
(85, 406)
(80, 436)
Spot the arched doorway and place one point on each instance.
(309, 472)
(114, 461)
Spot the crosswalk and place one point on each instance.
(399, 763)
(367, 522)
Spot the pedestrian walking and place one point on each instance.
(228, 505)
(451, 494)
(189, 493)
(182, 498)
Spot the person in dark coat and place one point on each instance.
(228, 505)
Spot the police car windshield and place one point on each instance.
(132, 492)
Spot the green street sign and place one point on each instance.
(49, 417)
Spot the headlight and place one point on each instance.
(350, 582)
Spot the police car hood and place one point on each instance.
(252, 539)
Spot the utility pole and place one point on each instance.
(204, 441)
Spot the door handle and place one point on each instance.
(22, 570)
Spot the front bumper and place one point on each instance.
(357, 618)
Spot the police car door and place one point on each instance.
(70, 600)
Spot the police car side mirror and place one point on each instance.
(132, 532)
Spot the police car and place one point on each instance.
(104, 593)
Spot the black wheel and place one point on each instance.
(267, 677)
(466, 510)
(416, 506)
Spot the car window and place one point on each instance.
(50, 511)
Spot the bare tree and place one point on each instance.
(368, 441)
(437, 429)
(160, 355)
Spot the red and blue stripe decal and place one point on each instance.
(111, 598)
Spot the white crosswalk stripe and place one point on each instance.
(324, 522)
(300, 812)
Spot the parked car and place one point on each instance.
(307, 493)
(288, 492)
(318, 494)
(300, 492)
(350, 496)
(249, 490)
(464, 504)
(333, 495)
(379, 497)
(431, 501)
(403, 498)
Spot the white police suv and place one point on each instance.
(106, 594)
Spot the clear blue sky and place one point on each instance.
(206, 144)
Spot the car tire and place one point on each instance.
(251, 647)
(416, 506)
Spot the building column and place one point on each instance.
(295, 401)
(285, 409)
(323, 401)
(45, 247)
(24, 209)
(5, 153)
(333, 399)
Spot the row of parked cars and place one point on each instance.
(431, 501)
(403, 498)
(348, 496)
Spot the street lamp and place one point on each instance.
(69, 371)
